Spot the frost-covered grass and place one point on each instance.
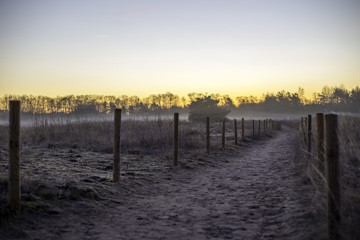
(349, 137)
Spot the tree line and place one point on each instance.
(330, 99)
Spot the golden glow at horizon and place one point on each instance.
(239, 49)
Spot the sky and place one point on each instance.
(142, 47)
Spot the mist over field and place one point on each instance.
(280, 105)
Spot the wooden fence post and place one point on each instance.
(259, 126)
(320, 141)
(116, 150)
(302, 122)
(235, 132)
(332, 158)
(223, 134)
(176, 138)
(309, 133)
(264, 126)
(253, 123)
(242, 129)
(14, 157)
(207, 135)
(303, 134)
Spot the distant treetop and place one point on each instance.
(199, 104)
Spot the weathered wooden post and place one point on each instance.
(320, 141)
(253, 125)
(176, 138)
(303, 129)
(309, 134)
(223, 134)
(259, 126)
(207, 135)
(332, 158)
(235, 132)
(14, 157)
(264, 126)
(242, 129)
(301, 124)
(116, 150)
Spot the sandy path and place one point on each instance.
(250, 197)
(258, 195)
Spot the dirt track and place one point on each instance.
(259, 194)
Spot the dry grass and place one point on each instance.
(137, 136)
(349, 137)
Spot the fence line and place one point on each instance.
(14, 148)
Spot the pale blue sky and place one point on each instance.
(143, 47)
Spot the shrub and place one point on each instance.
(207, 107)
